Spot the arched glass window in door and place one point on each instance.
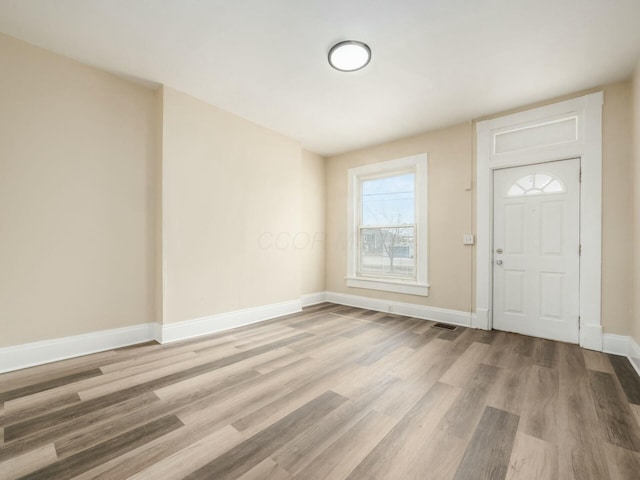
(536, 184)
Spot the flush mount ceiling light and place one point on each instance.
(349, 56)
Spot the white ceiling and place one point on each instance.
(434, 62)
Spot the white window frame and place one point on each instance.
(418, 286)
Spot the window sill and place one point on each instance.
(409, 288)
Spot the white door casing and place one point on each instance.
(564, 130)
(536, 238)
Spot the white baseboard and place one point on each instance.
(358, 301)
(615, 344)
(173, 332)
(313, 298)
(157, 332)
(46, 351)
(454, 317)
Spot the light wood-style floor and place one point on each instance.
(333, 392)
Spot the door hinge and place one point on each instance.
(580, 176)
(580, 250)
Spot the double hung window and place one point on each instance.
(388, 226)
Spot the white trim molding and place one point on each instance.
(480, 319)
(47, 351)
(591, 337)
(453, 317)
(309, 299)
(616, 344)
(564, 130)
(173, 332)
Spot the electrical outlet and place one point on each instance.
(468, 239)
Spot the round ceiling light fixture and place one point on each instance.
(349, 56)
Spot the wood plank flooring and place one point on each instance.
(331, 393)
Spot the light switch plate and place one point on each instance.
(468, 239)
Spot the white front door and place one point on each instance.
(536, 241)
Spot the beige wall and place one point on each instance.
(311, 239)
(450, 215)
(635, 293)
(120, 205)
(76, 197)
(231, 203)
(159, 252)
(616, 209)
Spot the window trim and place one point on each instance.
(419, 286)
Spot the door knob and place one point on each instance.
(499, 250)
(498, 262)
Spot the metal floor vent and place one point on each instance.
(445, 326)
